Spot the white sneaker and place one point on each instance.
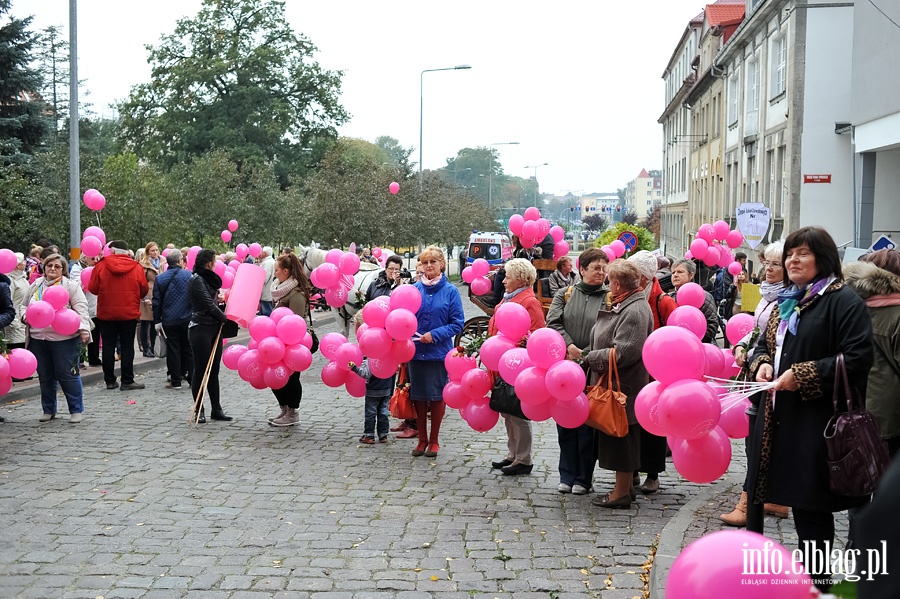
(564, 488)
(75, 418)
(579, 490)
(46, 417)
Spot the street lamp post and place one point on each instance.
(536, 167)
(491, 170)
(422, 105)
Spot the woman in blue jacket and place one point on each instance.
(440, 321)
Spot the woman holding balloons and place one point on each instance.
(623, 324)
(520, 277)
(573, 314)
(817, 319)
(440, 320)
(290, 289)
(57, 313)
(683, 272)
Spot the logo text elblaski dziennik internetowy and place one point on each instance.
(828, 560)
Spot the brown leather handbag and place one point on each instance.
(400, 405)
(857, 455)
(607, 413)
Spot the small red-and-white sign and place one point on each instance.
(817, 178)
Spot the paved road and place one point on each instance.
(134, 503)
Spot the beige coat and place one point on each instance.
(147, 307)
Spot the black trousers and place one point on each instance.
(148, 335)
(291, 394)
(179, 358)
(94, 346)
(653, 454)
(203, 345)
(577, 455)
(119, 332)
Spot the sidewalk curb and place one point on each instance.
(672, 536)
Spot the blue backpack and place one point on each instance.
(718, 290)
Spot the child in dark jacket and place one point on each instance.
(378, 396)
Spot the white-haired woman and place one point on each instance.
(519, 286)
(683, 272)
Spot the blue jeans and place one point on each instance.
(377, 407)
(266, 308)
(57, 362)
(577, 455)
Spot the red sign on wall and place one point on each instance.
(817, 178)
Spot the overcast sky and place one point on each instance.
(576, 83)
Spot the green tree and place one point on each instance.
(594, 222)
(238, 78)
(653, 220)
(629, 217)
(645, 237)
(397, 155)
(52, 53)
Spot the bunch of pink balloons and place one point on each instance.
(468, 389)
(92, 241)
(52, 311)
(476, 276)
(19, 363)
(561, 246)
(531, 228)
(94, 200)
(335, 276)
(680, 405)
(712, 246)
(615, 250)
(389, 323)
(279, 346)
(8, 261)
(337, 372)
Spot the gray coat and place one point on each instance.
(626, 328)
(574, 318)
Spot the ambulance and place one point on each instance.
(496, 248)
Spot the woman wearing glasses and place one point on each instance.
(58, 355)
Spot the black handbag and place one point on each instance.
(312, 333)
(229, 329)
(857, 455)
(504, 400)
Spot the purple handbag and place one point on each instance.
(857, 456)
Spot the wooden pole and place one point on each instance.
(198, 401)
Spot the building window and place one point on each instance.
(779, 66)
(781, 192)
(715, 115)
(751, 179)
(733, 99)
(772, 180)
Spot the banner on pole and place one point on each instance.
(753, 222)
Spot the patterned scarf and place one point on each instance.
(39, 292)
(279, 290)
(770, 291)
(431, 282)
(791, 300)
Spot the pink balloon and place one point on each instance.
(532, 213)
(454, 396)
(383, 368)
(297, 357)
(721, 230)
(39, 314)
(95, 231)
(279, 313)
(712, 256)
(336, 297)
(4, 373)
(232, 225)
(715, 360)
(375, 312)
(406, 297)
(262, 327)
(468, 275)
(618, 247)
(734, 239)
(94, 200)
(691, 294)
(375, 342)
(735, 268)
(565, 380)
(571, 414)
(252, 343)
(560, 249)
(349, 264)
(394, 188)
(259, 381)
(219, 268)
(240, 252)
(479, 415)
(476, 383)
(689, 409)
(346, 353)
(8, 261)
(725, 257)
(401, 323)
(734, 420)
(530, 230)
(328, 275)
(493, 349)
(232, 354)
(333, 376)
(22, 363)
(527, 242)
(458, 364)
(402, 350)
(546, 347)
(515, 224)
(512, 363)
(66, 322)
(711, 568)
(672, 353)
(248, 365)
(481, 286)
(688, 255)
(689, 318)
(271, 350)
(531, 385)
(377, 252)
(333, 256)
(538, 412)
(233, 265)
(646, 408)
(738, 327)
(513, 320)
(705, 459)
(731, 367)
(307, 341)
(276, 376)
(91, 246)
(227, 280)
(57, 296)
(86, 276)
(255, 250)
(355, 385)
(543, 227)
(226, 236)
(290, 329)
(558, 233)
(699, 247)
(707, 233)
(107, 252)
(330, 343)
(481, 267)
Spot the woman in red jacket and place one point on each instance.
(519, 283)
